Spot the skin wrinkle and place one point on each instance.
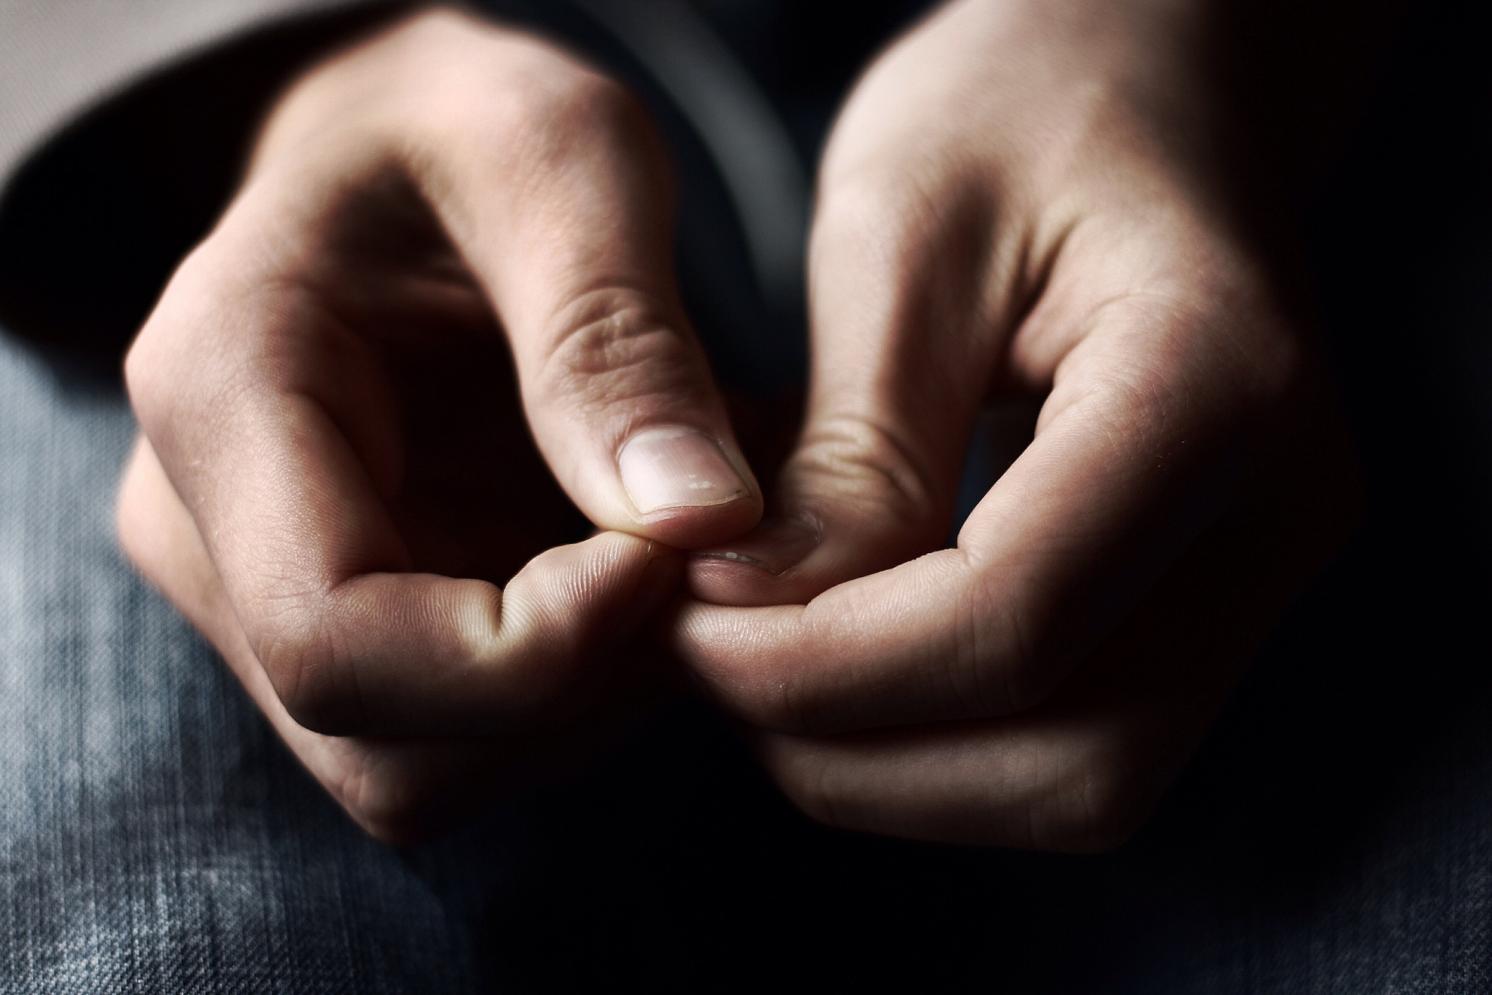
(966, 675)
(615, 360)
(851, 448)
(1031, 270)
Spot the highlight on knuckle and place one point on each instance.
(485, 87)
(550, 108)
(871, 213)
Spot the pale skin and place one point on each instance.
(1057, 229)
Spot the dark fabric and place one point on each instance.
(1335, 835)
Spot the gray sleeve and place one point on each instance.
(58, 60)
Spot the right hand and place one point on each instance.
(1064, 230)
(333, 476)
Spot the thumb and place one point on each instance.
(873, 478)
(563, 213)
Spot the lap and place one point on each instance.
(153, 835)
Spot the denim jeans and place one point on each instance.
(1334, 835)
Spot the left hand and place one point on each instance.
(437, 323)
(1024, 198)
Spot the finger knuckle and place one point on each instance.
(873, 215)
(854, 458)
(528, 87)
(1010, 647)
(1145, 376)
(188, 360)
(616, 346)
(1250, 355)
(551, 100)
(309, 677)
(149, 374)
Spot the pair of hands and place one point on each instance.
(446, 284)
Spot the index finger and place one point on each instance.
(1131, 460)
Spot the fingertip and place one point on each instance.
(773, 564)
(629, 577)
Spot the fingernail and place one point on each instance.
(774, 546)
(677, 467)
